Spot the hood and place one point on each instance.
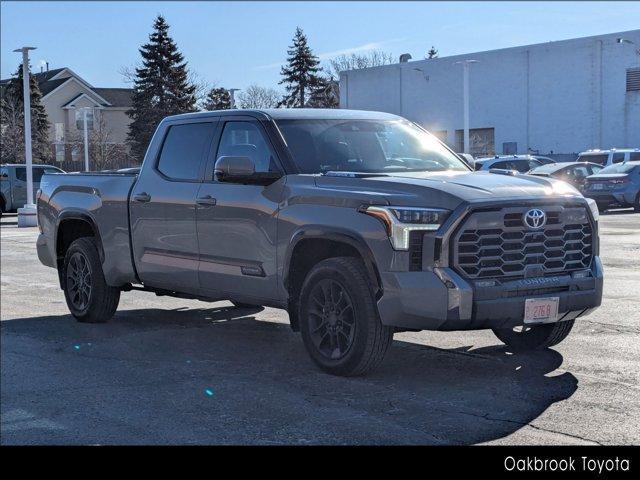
(449, 189)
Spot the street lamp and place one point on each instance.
(84, 111)
(232, 96)
(465, 99)
(27, 215)
(622, 41)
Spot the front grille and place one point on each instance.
(494, 244)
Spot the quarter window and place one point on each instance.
(183, 150)
(617, 157)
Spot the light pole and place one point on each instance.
(27, 215)
(232, 96)
(86, 137)
(465, 99)
(622, 41)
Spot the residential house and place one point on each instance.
(64, 96)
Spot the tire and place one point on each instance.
(535, 338)
(636, 205)
(94, 301)
(339, 320)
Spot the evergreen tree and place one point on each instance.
(432, 53)
(301, 74)
(161, 87)
(326, 95)
(12, 120)
(217, 99)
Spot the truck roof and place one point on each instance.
(297, 114)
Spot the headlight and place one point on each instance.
(401, 221)
(593, 206)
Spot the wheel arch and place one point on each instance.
(71, 225)
(313, 244)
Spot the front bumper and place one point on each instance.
(440, 299)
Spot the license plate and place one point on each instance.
(541, 310)
(597, 186)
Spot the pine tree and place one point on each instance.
(326, 95)
(301, 74)
(217, 99)
(12, 119)
(432, 53)
(161, 87)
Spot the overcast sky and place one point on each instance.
(234, 44)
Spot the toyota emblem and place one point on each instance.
(535, 218)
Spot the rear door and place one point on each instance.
(19, 187)
(163, 209)
(237, 222)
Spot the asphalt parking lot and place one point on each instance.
(167, 371)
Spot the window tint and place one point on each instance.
(183, 150)
(245, 139)
(594, 169)
(634, 156)
(21, 174)
(618, 157)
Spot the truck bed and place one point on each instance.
(100, 198)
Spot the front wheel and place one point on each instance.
(536, 337)
(88, 296)
(339, 321)
(636, 205)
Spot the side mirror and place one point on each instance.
(234, 169)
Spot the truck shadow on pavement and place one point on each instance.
(219, 376)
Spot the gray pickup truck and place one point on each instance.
(359, 224)
(13, 184)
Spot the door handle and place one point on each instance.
(206, 200)
(142, 197)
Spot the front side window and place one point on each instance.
(245, 139)
(376, 146)
(183, 150)
(599, 159)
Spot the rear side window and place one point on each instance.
(183, 150)
(21, 174)
(600, 159)
(634, 156)
(617, 157)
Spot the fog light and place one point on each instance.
(581, 274)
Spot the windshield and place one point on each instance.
(619, 168)
(376, 146)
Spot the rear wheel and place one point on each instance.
(339, 320)
(536, 337)
(636, 205)
(88, 296)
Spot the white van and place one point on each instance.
(609, 157)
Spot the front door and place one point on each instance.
(163, 209)
(237, 223)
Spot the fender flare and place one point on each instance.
(73, 214)
(349, 237)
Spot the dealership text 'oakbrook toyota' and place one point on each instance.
(359, 224)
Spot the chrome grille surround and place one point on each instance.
(496, 243)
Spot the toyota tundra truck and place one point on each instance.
(358, 224)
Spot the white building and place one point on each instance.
(558, 97)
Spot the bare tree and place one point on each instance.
(103, 152)
(255, 96)
(356, 61)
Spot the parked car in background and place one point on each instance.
(615, 186)
(575, 173)
(611, 156)
(13, 184)
(359, 224)
(519, 163)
